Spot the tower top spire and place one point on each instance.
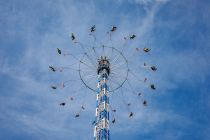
(103, 66)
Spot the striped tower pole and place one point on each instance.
(101, 129)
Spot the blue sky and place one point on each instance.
(177, 31)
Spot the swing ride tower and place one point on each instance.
(101, 129)
(109, 65)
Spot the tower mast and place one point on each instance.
(101, 129)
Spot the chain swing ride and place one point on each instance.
(103, 69)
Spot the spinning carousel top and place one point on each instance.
(97, 59)
(111, 59)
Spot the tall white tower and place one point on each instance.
(101, 129)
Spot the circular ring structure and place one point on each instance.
(118, 67)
